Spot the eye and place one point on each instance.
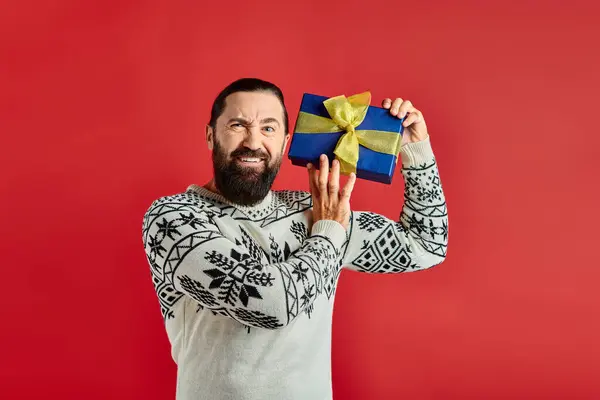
(237, 126)
(269, 129)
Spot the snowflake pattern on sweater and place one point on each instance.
(261, 265)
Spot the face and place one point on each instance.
(247, 146)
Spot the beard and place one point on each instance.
(241, 185)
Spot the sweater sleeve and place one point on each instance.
(226, 271)
(419, 239)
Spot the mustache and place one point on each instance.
(245, 152)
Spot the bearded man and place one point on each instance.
(246, 276)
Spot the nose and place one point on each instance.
(253, 138)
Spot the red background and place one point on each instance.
(102, 110)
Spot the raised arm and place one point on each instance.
(418, 240)
(230, 273)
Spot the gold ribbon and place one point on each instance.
(345, 115)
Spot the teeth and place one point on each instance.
(252, 160)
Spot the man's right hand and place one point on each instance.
(329, 203)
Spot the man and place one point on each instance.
(246, 276)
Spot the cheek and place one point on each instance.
(229, 143)
(274, 148)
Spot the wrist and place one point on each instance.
(330, 229)
(416, 153)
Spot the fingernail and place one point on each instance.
(309, 165)
(322, 157)
(394, 111)
(402, 114)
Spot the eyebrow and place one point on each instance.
(244, 121)
(270, 120)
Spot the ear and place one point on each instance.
(286, 139)
(210, 137)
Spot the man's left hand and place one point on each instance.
(415, 129)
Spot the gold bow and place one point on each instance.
(347, 114)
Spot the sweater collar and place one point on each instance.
(264, 204)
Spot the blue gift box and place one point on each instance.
(308, 147)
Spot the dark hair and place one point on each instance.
(246, 85)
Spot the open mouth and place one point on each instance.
(250, 161)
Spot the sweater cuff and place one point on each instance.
(414, 154)
(332, 230)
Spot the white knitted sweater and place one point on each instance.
(247, 292)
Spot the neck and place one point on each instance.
(212, 186)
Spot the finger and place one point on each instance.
(315, 182)
(311, 180)
(396, 106)
(413, 118)
(348, 187)
(323, 176)
(334, 181)
(387, 103)
(405, 108)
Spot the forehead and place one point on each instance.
(253, 105)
